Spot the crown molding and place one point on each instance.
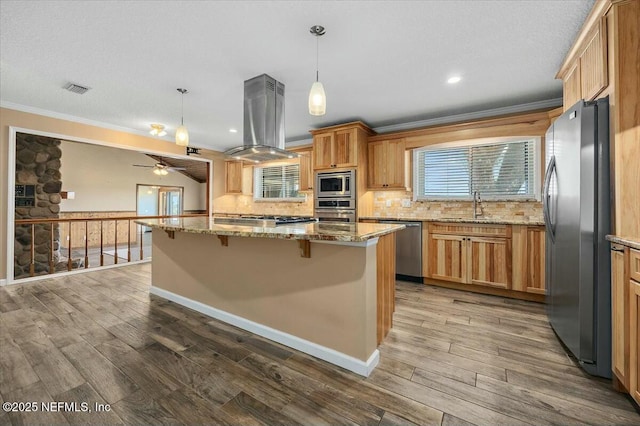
(471, 116)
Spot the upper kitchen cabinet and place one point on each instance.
(571, 90)
(340, 146)
(586, 77)
(233, 177)
(386, 164)
(238, 178)
(604, 61)
(593, 62)
(306, 168)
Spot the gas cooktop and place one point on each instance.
(264, 221)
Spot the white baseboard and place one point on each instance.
(364, 368)
(3, 282)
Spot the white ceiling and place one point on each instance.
(383, 62)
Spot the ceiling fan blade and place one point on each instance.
(177, 168)
(141, 165)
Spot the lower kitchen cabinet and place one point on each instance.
(470, 254)
(625, 319)
(447, 257)
(490, 261)
(634, 334)
(634, 324)
(619, 318)
(528, 257)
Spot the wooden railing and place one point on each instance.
(86, 221)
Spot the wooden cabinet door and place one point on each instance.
(322, 150)
(634, 334)
(233, 177)
(593, 64)
(344, 148)
(395, 164)
(447, 257)
(571, 86)
(377, 164)
(306, 171)
(535, 260)
(490, 261)
(619, 319)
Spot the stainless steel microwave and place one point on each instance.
(336, 184)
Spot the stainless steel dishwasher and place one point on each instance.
(408, 250)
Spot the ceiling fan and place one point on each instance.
(161, 168)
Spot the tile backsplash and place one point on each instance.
(390, 204)
(244, 204)
(401, 204)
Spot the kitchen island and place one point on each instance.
(326, 289)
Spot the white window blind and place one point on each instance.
(277, 182)
(504, 170)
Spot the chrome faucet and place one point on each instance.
(477, 202)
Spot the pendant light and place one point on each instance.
(317, 98)
(182, 134)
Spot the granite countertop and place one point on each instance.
(634, 243)
(316, 231)
(488, 220)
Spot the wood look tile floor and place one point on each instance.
(452, 358)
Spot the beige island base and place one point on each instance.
(325, 289)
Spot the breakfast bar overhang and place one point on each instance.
(326, 289)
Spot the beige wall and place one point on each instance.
(328, 299)
(73, 131)
(86, 168)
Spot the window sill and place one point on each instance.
(482, 200)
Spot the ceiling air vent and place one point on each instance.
(76, 88)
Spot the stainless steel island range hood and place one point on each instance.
(263, 135)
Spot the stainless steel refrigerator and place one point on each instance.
(576, 206)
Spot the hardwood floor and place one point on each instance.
(452, 358)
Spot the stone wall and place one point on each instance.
(38, 161)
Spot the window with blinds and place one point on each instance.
(505, 170)
(277, 183)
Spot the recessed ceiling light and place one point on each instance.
(233, 130)
(455, 79)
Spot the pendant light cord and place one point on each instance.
(182, 111)
(317, 59)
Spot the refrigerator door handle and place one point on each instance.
(546, 198)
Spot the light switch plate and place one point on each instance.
(406, 202)
(388, 203)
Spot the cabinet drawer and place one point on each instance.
(470, 229)
(634, 264)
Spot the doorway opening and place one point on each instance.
(156, 200)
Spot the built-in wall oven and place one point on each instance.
(335, 197)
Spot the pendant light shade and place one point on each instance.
(317, 97)
(182, 134)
